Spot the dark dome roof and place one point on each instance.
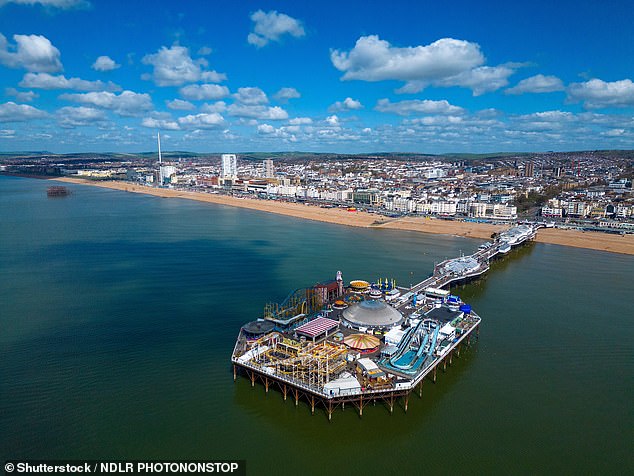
(372, 314)
(258, 327)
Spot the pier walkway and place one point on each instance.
(321, 373)
(466, 267)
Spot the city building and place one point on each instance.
(269, 171)
(166, 172)
(229, 166)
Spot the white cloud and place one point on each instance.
(537, 84)
(298, 121)
(180, 105)
(164, 124)
(445, 62)
(218, 106)
(105, 63)
(272, 26)
(251, 96)
(49, 81)
(373, 59)
(127, 103)
(203, 121)
(480, 80)
(212, 76)
(12, 112)
(22, 96)
(347, 104)
(174, 66)
(63, 4)
(332, 120)
(545, 121)
(205, 51)
(437, 121)
(417, 106)
(33, 53)
(200, 92)
(614, 132)
(274, 113)
(69, 117)
(7, 133)
(597, 94)
(285, 133)
(285, 94)
(552, 116)
(266, 129)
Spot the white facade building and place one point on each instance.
(498, 211)
(229, 166)
(552, 212)
(165, 173)
(269, 171)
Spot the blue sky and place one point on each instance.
(356, 76)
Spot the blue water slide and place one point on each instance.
(413, 357)
(404, 344)
(432, 346)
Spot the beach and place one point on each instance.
(613, 243)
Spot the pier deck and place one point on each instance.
(327, 372)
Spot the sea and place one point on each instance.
(119, 313)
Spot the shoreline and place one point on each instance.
(613, 243)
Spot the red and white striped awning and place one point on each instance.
(317, 327)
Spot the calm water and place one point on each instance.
(118, 314)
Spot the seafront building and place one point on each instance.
(167, 174)
(229, 166)
(591, 190)
(269, 171)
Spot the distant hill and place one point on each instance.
(305, 156)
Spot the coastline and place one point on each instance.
(579, 239)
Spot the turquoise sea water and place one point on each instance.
(118, 314)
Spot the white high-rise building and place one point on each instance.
(268, 168)
(229, 166)
(166, 172)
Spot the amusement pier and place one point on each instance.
(334, 345)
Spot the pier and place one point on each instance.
(333, 345)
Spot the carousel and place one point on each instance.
(363, 343)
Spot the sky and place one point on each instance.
(345, 77)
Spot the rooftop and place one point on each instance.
(374, 313)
